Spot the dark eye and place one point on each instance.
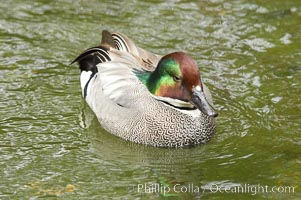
(176, 78)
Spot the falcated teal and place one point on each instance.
(144, 97)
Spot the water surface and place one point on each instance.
(52, 146)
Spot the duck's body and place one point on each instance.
(119, 82)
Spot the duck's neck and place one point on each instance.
(149, 80)
(160, 79)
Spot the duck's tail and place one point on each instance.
(88, 61)
(91, 57)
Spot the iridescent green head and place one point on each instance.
(177, 77)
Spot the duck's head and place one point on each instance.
(177, 81)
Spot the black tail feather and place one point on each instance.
(90, 58)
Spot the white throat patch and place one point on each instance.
(175, 102)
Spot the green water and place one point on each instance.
(52, 146)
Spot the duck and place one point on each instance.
(144, 97)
